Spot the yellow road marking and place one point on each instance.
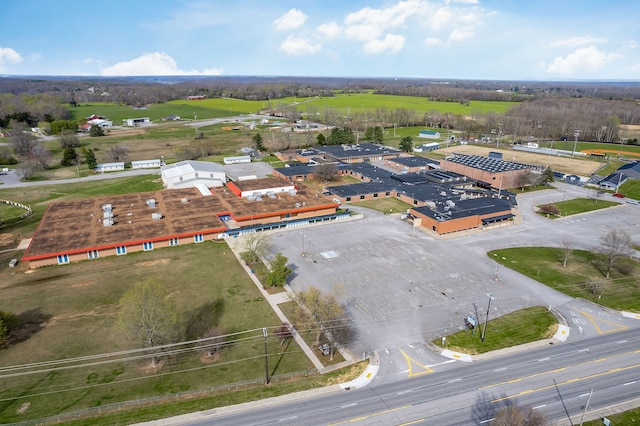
(361, 418)
(412, 361)
(566, 382)
(595, 320)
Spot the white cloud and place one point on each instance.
(460, 34)
(391, 43)
(291, 20)
(368, 24)
(157, 63)
(630, 45)
(330, 30)
(576, 41)
(587, 59)
(463, 1)
(294, 45)
(8, 56)
(432, 41)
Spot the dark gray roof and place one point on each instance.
(362, 150)
(631, 170)
(295, 170)
(465, 208)
(413, 161)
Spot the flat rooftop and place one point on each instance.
(77, 225)
(488, 164)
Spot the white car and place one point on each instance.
(633, 201)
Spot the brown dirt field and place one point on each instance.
(561, 164)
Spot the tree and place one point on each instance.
(8, 322)
(41, 155)
(68, 138)
(567, 244)
(69, 156)
(257, 140)
(321, 139)
(215, 341)
(96, 131)
(378, 134)
(255, 246)
(340, 136)
(148, 317)
(90, 158)
(279, 271)
(547, 176)
(59, 126)
(322, 312)
(325, 171)
(117, 153)
(284, 332)
(22, 140)
(613, 245)
(550, 209)
(406, 144)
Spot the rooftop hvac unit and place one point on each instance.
(185, 200)
(107, 222)
(107, 215)
(151, 202)
(156, 216)
(106, 207)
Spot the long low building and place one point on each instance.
(116, 225)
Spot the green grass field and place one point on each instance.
(584, 272)
(79, 305)
(524, 326)
(581, 205)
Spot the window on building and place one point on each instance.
(63, 258)
(387, 193)
(147, 245)
(362, 197)
(348, 199)
(198, 238)
(375, 195)
(92, 254)
(174, 242)
(121, 250)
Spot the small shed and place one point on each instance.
(110, 167)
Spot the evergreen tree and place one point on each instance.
(257, 140)
(96, 131)
(406, 144)
(90, 158)
(378, 134)
(321, 139)
(69, 156)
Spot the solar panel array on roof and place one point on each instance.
(492, 165)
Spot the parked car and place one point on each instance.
(636, 202)
(325, 349)
(619, 195)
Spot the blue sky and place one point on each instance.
(450, 39)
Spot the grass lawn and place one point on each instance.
(516, 328)
(73, 311)
(384, 205)
(627, 418)
(582, 277)
(631, 189)
(580, 205)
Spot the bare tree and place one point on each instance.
(117, 153)
(323, 313)
(22, 140)
(215, 341)
(325, 171)
(613, 245)
(68, 138)
(284, 332)
(567, 245)
(41, 155)
(148, 317)
(255, 246)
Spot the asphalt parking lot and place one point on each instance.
(402, 286)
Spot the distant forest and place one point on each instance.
(546, 109)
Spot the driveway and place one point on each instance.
(402, 286)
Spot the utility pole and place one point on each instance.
(303, 250)
(586, 407)
(266, 357)
(484, 330)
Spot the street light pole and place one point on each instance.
(303, 250)
(576, 134)
(266, 357)
(484, 330)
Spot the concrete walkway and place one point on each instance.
(235, 244)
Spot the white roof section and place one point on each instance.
(190, 166)
(204, 191)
